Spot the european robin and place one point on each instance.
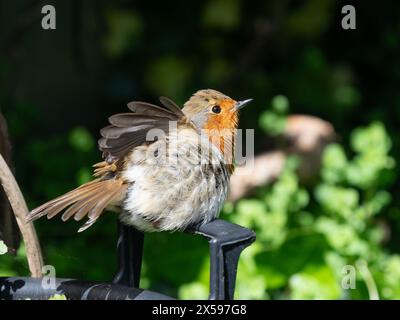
(164, 168)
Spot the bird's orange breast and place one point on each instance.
(221, 129)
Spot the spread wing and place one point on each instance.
(128, 130)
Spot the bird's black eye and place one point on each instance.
(216, 109)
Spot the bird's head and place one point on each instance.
(216, 114)
(212, 110)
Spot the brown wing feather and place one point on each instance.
(151, 110)
(168, 103)
(128, 130)
(123, 120)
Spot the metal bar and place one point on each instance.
(130, 253)
(19, 288)
(227, 241)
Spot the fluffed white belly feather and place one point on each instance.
(173, 192)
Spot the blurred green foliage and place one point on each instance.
(273, 121)
(305, 236)
(57, 89)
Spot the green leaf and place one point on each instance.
(390, 277)
(193, 291)
(280, 104)
(316, 282)
(248, 211)
(278, 265)
(334, 162)
(337, 200)
(272, 123)
(342, 237)
(372, 138)
(81, 139)
(3, 247)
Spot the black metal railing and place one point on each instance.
(226, 240)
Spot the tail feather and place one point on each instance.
(56, 205)
(89, 200)
(76, 194)
(84, 208)
(74, 210)
(94, 210)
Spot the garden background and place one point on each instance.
(57, 88)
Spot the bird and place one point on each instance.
(164, 168)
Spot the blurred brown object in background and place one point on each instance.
(307, 136)
(304, 136)
(9, 231)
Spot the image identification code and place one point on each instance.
(200, 309)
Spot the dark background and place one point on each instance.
(57, 88)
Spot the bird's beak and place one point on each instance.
(240, 104)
